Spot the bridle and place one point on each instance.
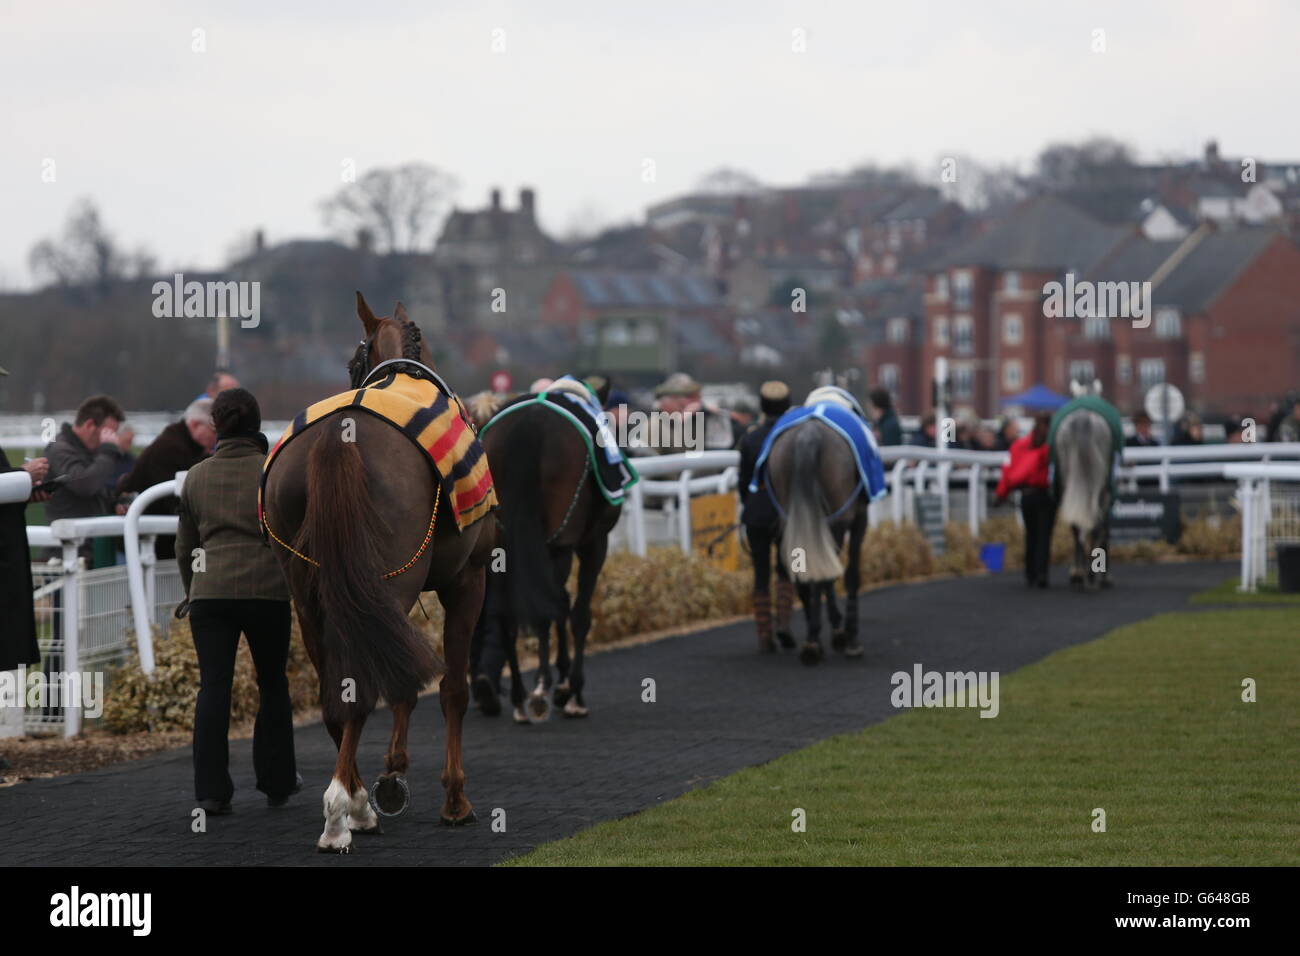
(360, 378)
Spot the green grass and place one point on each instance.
(1227, 593)
(1147, 723)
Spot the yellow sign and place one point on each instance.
(713, 530)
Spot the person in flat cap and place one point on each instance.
(709, 427)
(762, 524)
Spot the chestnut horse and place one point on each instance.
(352, 506)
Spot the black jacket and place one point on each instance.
(758, 509)
(17, 616)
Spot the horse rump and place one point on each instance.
(806, 529)
(365, 635)
(1083, 459)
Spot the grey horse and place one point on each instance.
(1084, 451)
(814, 479)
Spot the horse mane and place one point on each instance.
(412, 341)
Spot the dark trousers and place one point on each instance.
(761, 539)
(1038, 507)
(216, 624)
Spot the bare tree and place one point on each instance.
(85, 255)
(983, 186)
(399, 206)
(1093, 161)
(727, 180)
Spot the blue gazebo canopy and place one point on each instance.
(1040, 396)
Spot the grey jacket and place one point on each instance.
(85, 493)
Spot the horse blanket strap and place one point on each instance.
(434, 421)
(871, 472)
(1093, 403)
(613, 473)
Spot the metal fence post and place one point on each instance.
(71, 626)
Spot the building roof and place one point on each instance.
(643, 289)
(1134, 259)
(1042, 234)
(1211, 267)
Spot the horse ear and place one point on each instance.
(1096, 386)
(399, 313)
(1075, 388)
(367, 317)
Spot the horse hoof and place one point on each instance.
(390, 796)
(485, 695)
(521, 716)
(464, 821)
(376, 830)
(574, 709)
(839, 639)
(853, 649)
(336, 850)
(810, 653)
(786, 640)
(562, 694)
(539, 705)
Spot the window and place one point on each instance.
(1012, 374)
(1096, 327)
(1082, 370)
(1151, 372)
(941, 332)
(887, 375)
(1168, 324)
(1196, 367)
(963, 333)
(896, 331)
(1123, 369)
(1013, 330)
(1011, 282)
(941, 286)
(963, 381)
(962, 284)
(895, 236)
(617, 333)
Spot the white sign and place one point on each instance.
(1164, 397)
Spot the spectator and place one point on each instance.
(17, 613)
(125, 441)
(889, 431)
(1142, 437)
(715, 428)
(1007, 435)
(178, 447)
(84, 454)
(762, 524)
(1028, 471)
(1232, 430)
(1288, 428)
(927, 436)
(220, 381)
(1188, 430)
(238, 588)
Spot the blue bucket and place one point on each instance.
(991, 555)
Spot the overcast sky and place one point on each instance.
(186, 151)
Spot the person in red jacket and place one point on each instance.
(1027, 471)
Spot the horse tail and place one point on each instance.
(365, 635)
(535, 595)
(806, 527)
(1082, 460)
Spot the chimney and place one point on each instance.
(527, 202)
(496, 200)
(365, 239)
(259, 240)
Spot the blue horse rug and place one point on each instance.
(850, 427)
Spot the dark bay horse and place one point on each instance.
(550, 511)
(814, 479)
(355, 496)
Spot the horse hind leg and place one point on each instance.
(1076, 569)
(461, 602)
(812, 650)
(345, 793)
(390, 795)
(590, 562)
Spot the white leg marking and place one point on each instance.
(361, 815)
(337, 836)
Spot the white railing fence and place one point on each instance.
(658, 508)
